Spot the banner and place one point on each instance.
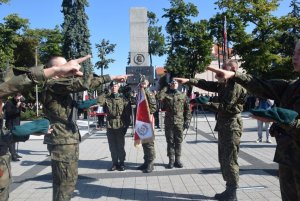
(144, 128)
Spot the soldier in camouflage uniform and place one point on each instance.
(148, 146)
(231, 97)
(58, 107)
(118, 110)
(177, 118)
(23, 83)
(286, 93)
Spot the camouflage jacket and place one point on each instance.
(231, 96)
(287, 94)
(231, 99)
(58, 106)
(20, 83)
(151, 101)
(176, 105)
(118, 110)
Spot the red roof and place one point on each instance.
(159, 70)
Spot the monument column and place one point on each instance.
(139, 50)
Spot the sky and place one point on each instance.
(109, 20)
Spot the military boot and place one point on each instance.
(149, 168)
(228, 195)
(178, 163)
(143, 166)
(171, 162)
(121, 166)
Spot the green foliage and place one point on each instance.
(189, 43)
(29, 115)
(4, 1)
(18, 43)
(50, 43)
(104, 48)
(76, 33)
(267, 48)
(156, 38)
(10, 35)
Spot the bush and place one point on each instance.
(29, 115)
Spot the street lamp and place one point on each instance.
(36, 86)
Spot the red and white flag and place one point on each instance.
(144, 127)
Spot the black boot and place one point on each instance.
(171, 162)
(18, 156)
(143, 166)
(15, 158)
(228, 195)
(178, 163)
(113, 167)
(121, 166)
(149, 168)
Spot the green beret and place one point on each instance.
(86, 104)
(36, 126)
(280, 115)
(202, 99)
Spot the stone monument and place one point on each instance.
(139, 50)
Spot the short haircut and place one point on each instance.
(232, 62)
(52, 61)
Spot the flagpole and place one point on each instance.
(225, 42)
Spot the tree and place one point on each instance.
(104, 48)
(75, 32)
(189, 43)
(50, 44)
(43, 42)
(4, 1)
(258, 49)
(156, 38)
(10, 35)
(235, 29)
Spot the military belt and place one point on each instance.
(70, 124)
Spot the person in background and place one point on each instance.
(156, 113)
(118, 111)
(12, 110)
(177, 118)
(149, 146)
(264, 104)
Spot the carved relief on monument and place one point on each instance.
(139, 59)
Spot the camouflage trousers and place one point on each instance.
(174, 137)
(149, 152)
(5, 176)
(116, 141)
(289, 180)
(64, 170)
(228, 149)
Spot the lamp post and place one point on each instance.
(36, 86)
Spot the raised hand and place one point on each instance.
(120, 78)
(181, 80)
(67, 69)
(221, 73)
(73, 67)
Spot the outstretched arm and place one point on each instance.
(120, 78)
(181, 80)
(70, 68)
(222, 73)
